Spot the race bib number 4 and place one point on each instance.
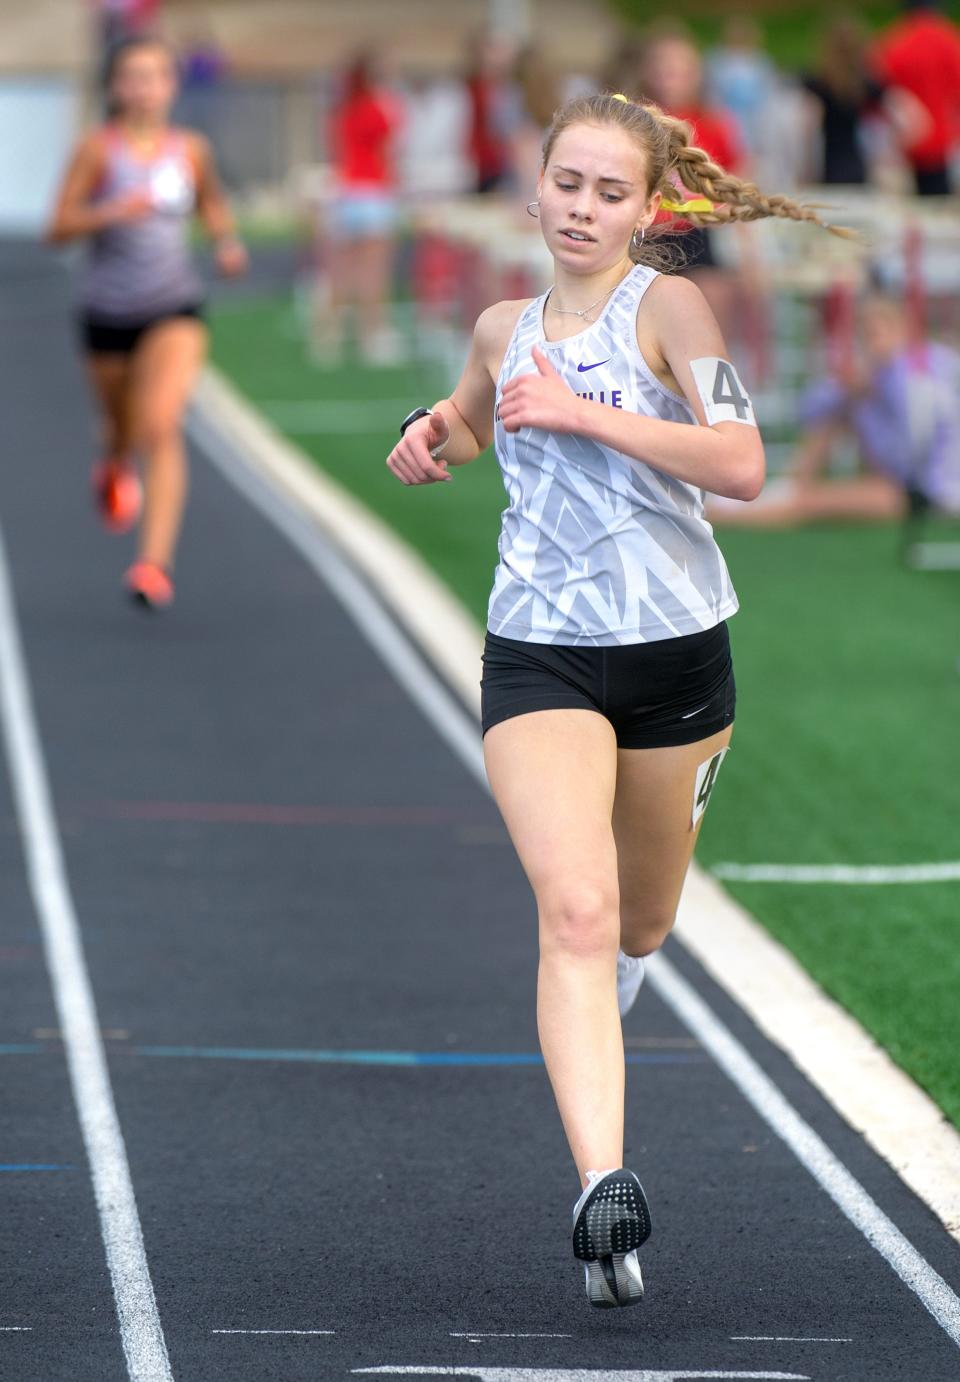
(723, 396)
(703, 787)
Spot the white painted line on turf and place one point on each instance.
(460, 732)
(485, 1374)
(140, 1329)
(851, 874)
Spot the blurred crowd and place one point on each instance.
(875, 108)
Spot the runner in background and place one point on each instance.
(131, 190)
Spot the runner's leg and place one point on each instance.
(165, 365)
(553, 774)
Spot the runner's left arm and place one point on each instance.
(214, 213)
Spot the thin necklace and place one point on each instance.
(584, 311)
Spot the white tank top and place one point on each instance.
(596, 547)
(144, 267)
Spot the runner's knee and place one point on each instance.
(580, 920)
(159, 431)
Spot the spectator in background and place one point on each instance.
(203, 63)
(364, 126)
(488, 90)
(921, 55)
(532, 101)
(432, 148)
(843, 92)
(671, 74)
(742, 79)
(626, 62)
(899, 399)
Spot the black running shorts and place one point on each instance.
(105, 336)
(671, 691)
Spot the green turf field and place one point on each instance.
(847, 748)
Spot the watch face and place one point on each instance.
(413, 417)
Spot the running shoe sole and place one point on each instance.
(611, 1284)
(613, 1222)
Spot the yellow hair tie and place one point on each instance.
(694, 204)
(619, 96)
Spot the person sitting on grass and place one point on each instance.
(900, 402)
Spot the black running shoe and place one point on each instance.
(611, 1220)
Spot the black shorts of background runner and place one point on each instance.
(106, 336)
(667, 692)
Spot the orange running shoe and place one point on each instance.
(149, 585)
(118, 495)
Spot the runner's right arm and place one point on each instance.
(74, 214)
(461, 426)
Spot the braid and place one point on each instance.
(740, 200)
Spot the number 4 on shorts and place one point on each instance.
(705, 782)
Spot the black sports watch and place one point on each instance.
(413, 417)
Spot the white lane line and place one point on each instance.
(480, 1334)
(485, 1374)
(784, 1339)
(873, 875)
(310, 1332)
(16, 1329)
(807, 1146)
(460, 732)
(140, 1330)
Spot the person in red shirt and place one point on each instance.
(363, 217)
(671, 74)
(487, 143)
(921, 54)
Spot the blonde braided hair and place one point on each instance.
(670, 155)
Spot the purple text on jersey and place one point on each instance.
(615, 400)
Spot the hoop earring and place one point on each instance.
(531, 212)
(637, 243)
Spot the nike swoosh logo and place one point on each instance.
(691, 713)
(582, 368)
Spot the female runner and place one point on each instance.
(132, 188)
(608, 692)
